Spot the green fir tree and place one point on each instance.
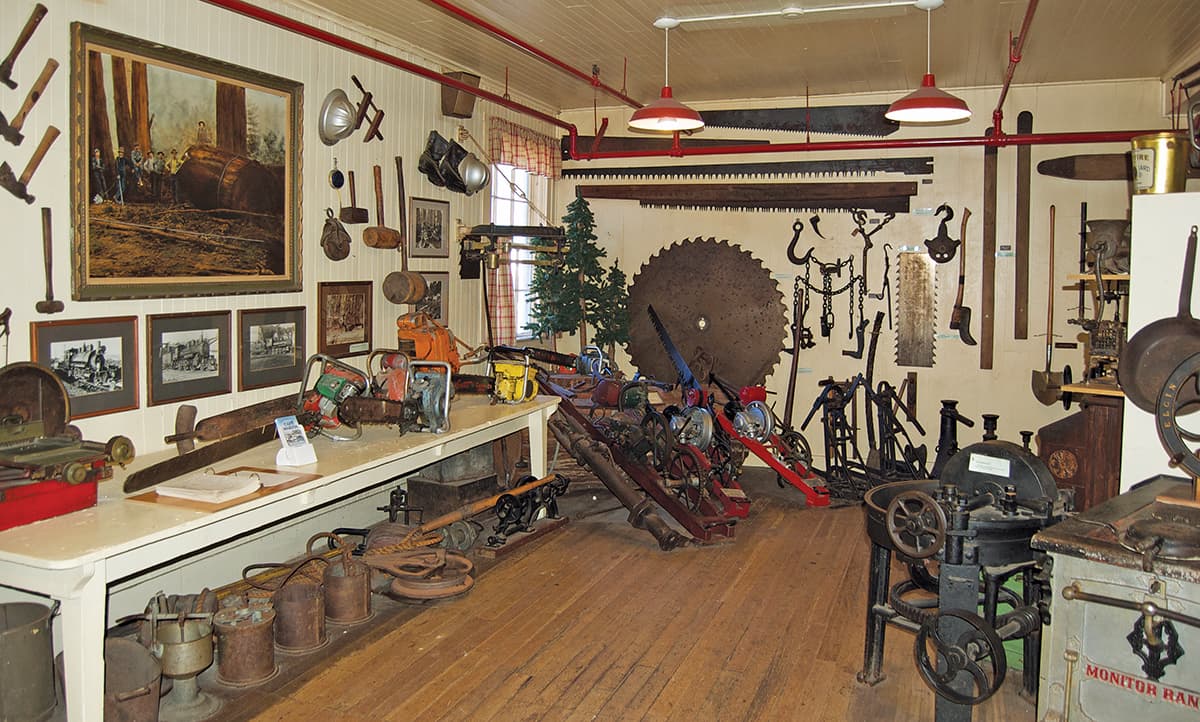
(579, 292)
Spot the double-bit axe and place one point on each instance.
(12, 131)
(18, 186)
(6, 66)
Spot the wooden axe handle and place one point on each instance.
(379, 195)
(35, 92)
(48, 139)
(353, 200)
(39, 12)
(403, 217)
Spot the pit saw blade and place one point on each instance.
(866, 120)
(915, 310)
(719, 302)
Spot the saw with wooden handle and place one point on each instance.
(201, 458)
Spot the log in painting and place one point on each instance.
(186, 173)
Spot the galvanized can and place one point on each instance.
(26, 661)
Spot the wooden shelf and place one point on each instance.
(1095, 389)
(1103, 277)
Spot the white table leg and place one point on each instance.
(83, 622)
(537, 441)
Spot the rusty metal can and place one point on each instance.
(299, 617)
(245, 644)
(347, 591)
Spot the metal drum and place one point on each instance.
(132, 681)
(245, 644)
(26, 661)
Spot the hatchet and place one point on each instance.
(12, 131)
(17, 186)
(39, 12)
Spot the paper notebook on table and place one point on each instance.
(209, 486)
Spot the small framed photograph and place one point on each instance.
(95, 358)
(271, 347)
(430, 237)
(436, 298)
(344, 318)
(188, 356)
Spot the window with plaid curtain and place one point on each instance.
(523, 161)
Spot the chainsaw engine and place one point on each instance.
(414, 395)
(514, 380)
(421, 338)
(319, 406)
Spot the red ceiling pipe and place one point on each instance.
(282, 21)
(593, 80)
(1014, 57)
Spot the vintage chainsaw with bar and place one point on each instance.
(746, 419)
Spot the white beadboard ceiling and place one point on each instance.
(879, 50)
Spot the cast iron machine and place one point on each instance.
(976, 521)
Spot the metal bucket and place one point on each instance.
(26, 661)
(1160, 162)
(299, 616)
(347, 591)
(245, 644)
(132, 681)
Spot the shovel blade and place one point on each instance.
(1047, 386)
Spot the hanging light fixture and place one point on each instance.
(666, 113)
(928, 104)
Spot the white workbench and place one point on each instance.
(74, 557)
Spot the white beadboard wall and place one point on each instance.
(413, 108)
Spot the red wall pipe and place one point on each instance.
(1001, 140)
(282, 21)
(592, 80)
(1014, 57)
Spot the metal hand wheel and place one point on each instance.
(954, 643)
(916, 524)
(1173, 436)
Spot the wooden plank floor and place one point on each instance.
(596, 623)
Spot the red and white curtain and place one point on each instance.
(523, 147)
(501, 305)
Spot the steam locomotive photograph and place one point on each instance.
(272, 345)
(188, 355)
(86, 367)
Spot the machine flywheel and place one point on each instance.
(721, 307)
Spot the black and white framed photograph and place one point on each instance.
(436, 298)
(188, 356)
(95, 358)
(271, 347)
(430, 237)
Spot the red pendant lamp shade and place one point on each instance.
(665, 114)
(928, 104)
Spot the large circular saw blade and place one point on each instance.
(713, 298)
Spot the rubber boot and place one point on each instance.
(435, 150)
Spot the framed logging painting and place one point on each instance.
(95, 358)
(344, 318)
(185, 173)
(188, 356)
(271, 348)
